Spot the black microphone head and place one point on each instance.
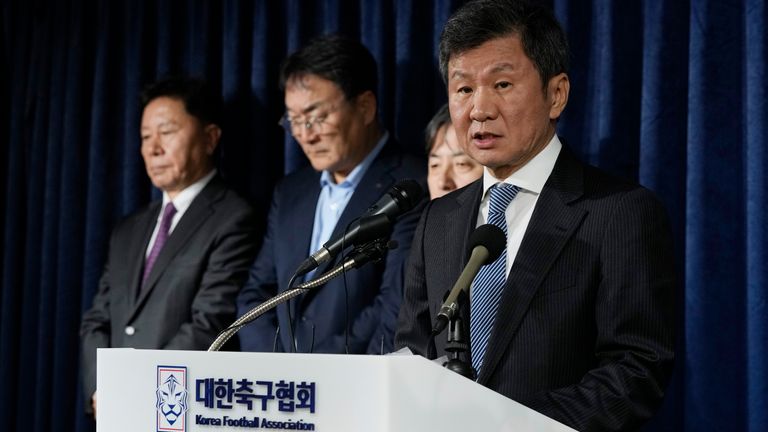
(490, 237)
(408, 193)
(400, 198)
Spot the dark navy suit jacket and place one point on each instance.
(584, 331)
(368, 305)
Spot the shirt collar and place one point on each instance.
(184, 198)
(354, 177)
(533, 175)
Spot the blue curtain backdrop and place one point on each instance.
(670, 93)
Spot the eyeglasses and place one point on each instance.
(315, 123)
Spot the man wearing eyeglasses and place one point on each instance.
(331, 111)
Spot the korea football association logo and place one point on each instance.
(171, 401)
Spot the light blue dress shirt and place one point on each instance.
(334, 198)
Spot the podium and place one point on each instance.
(184, 391)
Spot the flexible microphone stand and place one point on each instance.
(458, 344)
(372, 251)
(487, 242)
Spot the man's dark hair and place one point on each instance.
(480, 21)
(339, 59)
(198, 98)
(441, 117)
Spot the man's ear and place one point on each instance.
(366, 103)
(213, 135)
(558, 88)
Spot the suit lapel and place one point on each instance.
(374, 183)
(138, 248)
(376, 180)
(299, 211)
(468, 207)
(456, 249)
(197, 213)
(553, 222)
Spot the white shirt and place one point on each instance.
(182, 202)
(530, 178)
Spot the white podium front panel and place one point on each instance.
(183, 391)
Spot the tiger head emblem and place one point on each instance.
(171, 399)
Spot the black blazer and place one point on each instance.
(370, 303)
(584, 332)
(191, 290)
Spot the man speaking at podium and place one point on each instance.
(331, 110)
(576, 320)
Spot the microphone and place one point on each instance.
(486, 243)
(361, 255)
(375, 223)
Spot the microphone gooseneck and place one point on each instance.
(486, 244)
(369, 252)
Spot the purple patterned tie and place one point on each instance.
(162, 236)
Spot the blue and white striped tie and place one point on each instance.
(488, 284)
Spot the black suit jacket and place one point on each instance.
(584, 332)
(191, 290)
(371, 300)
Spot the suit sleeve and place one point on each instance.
(261, 334)
(393, 281)
(95, 333)
(382, 316)
(414, 320)
(634, 318)
(213, 307)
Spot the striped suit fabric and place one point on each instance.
(584, 330)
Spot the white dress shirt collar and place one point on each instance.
(182, 202)
(533, 175)
(184, 199)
